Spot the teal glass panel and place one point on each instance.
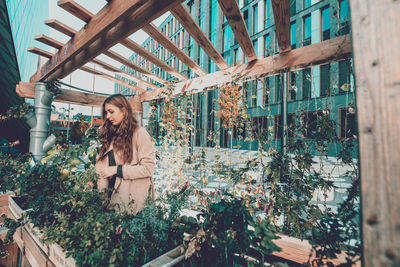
(293, 35)
(325, 20)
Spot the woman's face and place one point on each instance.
(114, 114)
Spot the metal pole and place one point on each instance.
(285, 85)
(93, 85)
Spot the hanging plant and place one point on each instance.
(18, 111)
(229, 103)
(54, 87)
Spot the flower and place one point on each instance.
(118, 230)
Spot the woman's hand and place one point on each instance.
(108, 172)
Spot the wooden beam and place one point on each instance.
(181, 13)
(61, 27)
(132, 45)
(152, 58)
(97, 72)
(160, 37)
(376, 42)
(281, 9)
(132, 65)
(114, 22)
(57, 44)
(123, 73)
(234, 16)
(331, 50)
(27, 90)
(111, 78)
(49, 41)
(75, 9)
(40, 52)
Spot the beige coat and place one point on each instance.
(137, 181)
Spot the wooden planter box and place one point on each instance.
(39, 254)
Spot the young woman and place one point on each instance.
(125, 163)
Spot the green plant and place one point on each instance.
(54, 87)
(19, 111)
(225, 236)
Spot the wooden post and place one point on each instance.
(376, 45)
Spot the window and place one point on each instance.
(344, 76)
(325, 24)
(246, 19)
(307, 30)
(276, 43)
(227, 33)
(293, 35)
(325, 80)
(306, 3)
(259, 128)
(291, 123)
(210, 117)
(348, 125)
(310, 121)
(293, 87)
(239, 131)
(278, 89)
(224, 137)
(267, 19)
(292, 7)
(255, 45)
(255, 18)
(306, 83)
(238, 56)
(227, 58)
(277, 127)
(344, 17)
(269, 46)
(266, 91)
(198, 118)
(253, 96)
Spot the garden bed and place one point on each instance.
(39, 254)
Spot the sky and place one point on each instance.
(80, 78)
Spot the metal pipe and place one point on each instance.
(40, 141)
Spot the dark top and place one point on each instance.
(111, 162)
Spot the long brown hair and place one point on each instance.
(120, 135)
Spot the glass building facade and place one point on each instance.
(311, 21)
(27, 20)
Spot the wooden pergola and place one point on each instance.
(374, 45)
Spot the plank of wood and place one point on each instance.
(27, 90)
(75, 9)
(49, 41)
(56, 44)
(376, 42)
(114, 22)
(152, 58)
(111, 78)
(281, 9)
(181, 13)
(331, 50)
(40, 52)
(133, 66)
(160, 37)
(123, 73)
(12, 259)
(297, 250)
(135, 47)
(102, 74)
(4, 199)
(234, 16)
(61, 27)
